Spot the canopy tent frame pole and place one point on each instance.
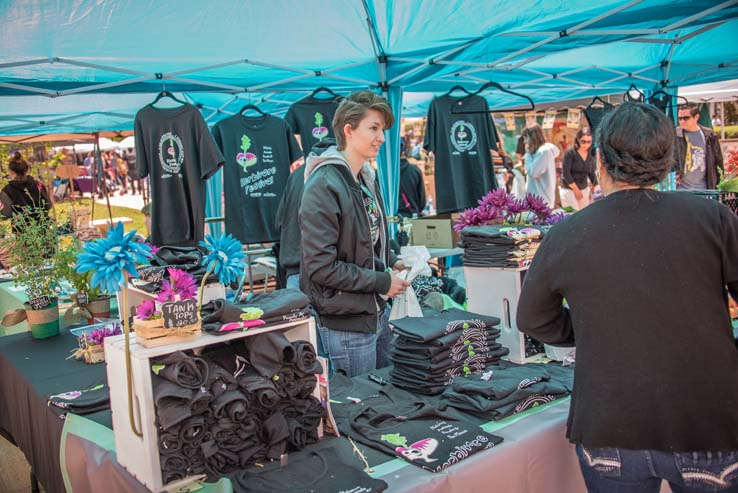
(678, 39)
(425, 62)
(710, 68)
(699, 15)
(221, 108)
(722, 120)
(36, 61)
(37, 90)
(105, 85)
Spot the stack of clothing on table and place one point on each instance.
(188, 259)
(83, 401)
(277, 307)
(508, 389)
(500, 245)
(237, 404)
(404, 425)
(327, 467)
(430, 351)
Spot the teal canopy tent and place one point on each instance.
(86, 66)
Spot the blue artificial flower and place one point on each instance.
(108, 257)
(224, 257)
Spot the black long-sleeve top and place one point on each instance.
(646, 276)
(577, 170)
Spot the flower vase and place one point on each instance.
(43, 323)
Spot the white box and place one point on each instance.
(140, 455)
(212, 291)
(495, 291)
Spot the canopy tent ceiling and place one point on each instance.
(82, 65)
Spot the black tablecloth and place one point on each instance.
(30, 371)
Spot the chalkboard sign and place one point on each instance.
(39, 303)
(179, 313)
(81, 299)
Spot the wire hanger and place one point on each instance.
(251, 106)
(485, 86)
(639, 99)
(458, 88)
(324, 89)
(598, 99)
(662, 95)
(165, 94)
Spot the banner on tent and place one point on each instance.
(509, 121)
(549, 118)
(572, 118)
(531, 118)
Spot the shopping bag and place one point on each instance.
(407, 304)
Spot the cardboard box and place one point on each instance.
(435, 231)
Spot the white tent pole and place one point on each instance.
(278, 82)
(722, 120)
(699, 15)
(208, 67)
(203, 83)
(707, 69)
(280, 67)
(105, 85)
(346, 67)
(36, 61)
(350, 79)
(583, 32)
(566, 32)
(107, 68)
(39, 90)
(429, 61)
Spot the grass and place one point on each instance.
(101, 212)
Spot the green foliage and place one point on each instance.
(65, 260)
(731, 131)
(32, 251)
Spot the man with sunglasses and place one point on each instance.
(699, 160)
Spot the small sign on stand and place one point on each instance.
(178, 314)
(40, 303)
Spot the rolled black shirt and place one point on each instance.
(645, 276)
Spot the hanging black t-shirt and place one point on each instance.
(258, 153)
(175, 148)
(461, 144)
(312, 119)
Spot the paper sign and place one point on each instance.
(40, 303)
(572, 118)
(549, 118)
(530, 119)
(81, 299)
(509, 121)
(179, 313)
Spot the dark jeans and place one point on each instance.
(613, 470)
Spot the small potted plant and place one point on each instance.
(87, 301)
(31, 254)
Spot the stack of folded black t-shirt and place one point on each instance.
(404, 425)
(239, 403)
(330, 466)
(508, 388)
(277, 307)
(188, 259)
(500, 245)
(430, 351)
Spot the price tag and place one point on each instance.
(40, 303)
(179, 313)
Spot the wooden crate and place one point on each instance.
(495, 291)
(212, 291)
(140, 455)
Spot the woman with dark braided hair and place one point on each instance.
(646, 276)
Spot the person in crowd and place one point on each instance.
(412, 187)
(23, 194)
(346, 262)
(129, 156)
(578, 173)
(121, 167)
(540, 164)
(646, 282)
(699, 160)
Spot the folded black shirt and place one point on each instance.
(85, 401)
(184, 370)
(268, 352)
(424, 329)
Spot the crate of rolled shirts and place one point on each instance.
(141, 455)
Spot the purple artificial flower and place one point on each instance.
(470, 217)
(537, 205)
(180, 283)
(515, 208)
(146, 310)
(555, 218)
(489, 214)
(96, 337)
(153, 248)
(497, 198)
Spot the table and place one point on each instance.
(79, 453)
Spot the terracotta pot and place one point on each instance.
(45, 322)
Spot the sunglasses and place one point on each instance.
(685, 118)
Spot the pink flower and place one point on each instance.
(146, 310)
(153, 248)
(180, 283)
(497, 198)
(555, 218)
(96, 337)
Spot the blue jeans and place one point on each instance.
(357, 353)
(613, 470)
